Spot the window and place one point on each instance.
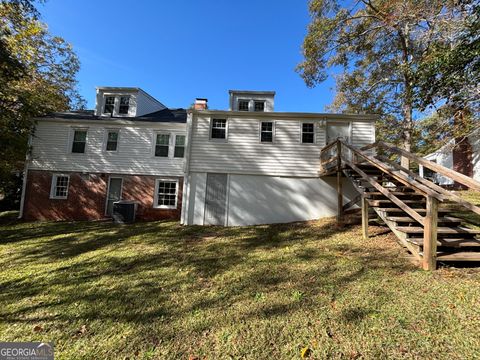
(79, 141)
(112, 140)
(259, 106)
(59, 188)
(124, 104)
(243, 105)
(266, 131)
(166, 194)
(162, 144)
(219, 129)
(179, 151)
(308, 133)
(109, 105)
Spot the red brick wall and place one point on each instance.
(87, 196)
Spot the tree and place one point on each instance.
(380, 45)
(37, 77)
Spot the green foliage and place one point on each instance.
(387, 50)
(37, 77)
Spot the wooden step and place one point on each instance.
(441, 220)
(398, 210)
(396, 193)
(378, 203)
(440, 230)
(459, 256)
(449, 242)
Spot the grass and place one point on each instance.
(162, 291)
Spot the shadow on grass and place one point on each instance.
(137, 273)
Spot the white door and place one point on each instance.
(338, 130)
(216, 199)
(114, 193)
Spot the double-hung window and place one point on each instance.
(308, 133)
(109, 105)
(179, 151)
(124, 105)
(166, 192)
(243, 105)
(219, 129)
(112, 140)
(79, 141)
(162, 144)
(259, 106)
(266, 132)
(59, 187)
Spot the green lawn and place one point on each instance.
(160, 290)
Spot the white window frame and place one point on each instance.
(155, 196)
(259, 101)
(314, 132)
(105, 96)
(72, 137)
(53, 186)
(211, 128)
(132, 104)
(174, 135)
(260, 131)
(243, 100)
(105, 139)
(170, 136)
(118, 99)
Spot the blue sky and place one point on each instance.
(183, 49)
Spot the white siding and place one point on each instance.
(475, 142)
(146, 104)
(363, 133)
(51, 149)
(270, 199)
(243, 153)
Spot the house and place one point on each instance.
(131, 146)
(251, 165)
(241, 166)
(463, 157)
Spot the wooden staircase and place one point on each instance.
(416, 210)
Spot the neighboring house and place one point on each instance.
(130, 147)
(251, 165)
(247, 165)
(463, 157)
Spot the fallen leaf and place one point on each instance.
(37, 328)
(306, 352)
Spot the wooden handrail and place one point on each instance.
(398, 176)
(452, 174)
(447, 194)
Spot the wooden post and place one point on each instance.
(430, 235)
(405, 162)
(364, 217)
(339, 183)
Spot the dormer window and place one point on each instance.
(259, 106)
(124, 105)
(243, 105)
(109, 105)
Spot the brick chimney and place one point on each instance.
(200, 104)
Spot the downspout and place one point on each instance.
(24, 180)
(186, 178)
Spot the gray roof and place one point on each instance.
(165, 116)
